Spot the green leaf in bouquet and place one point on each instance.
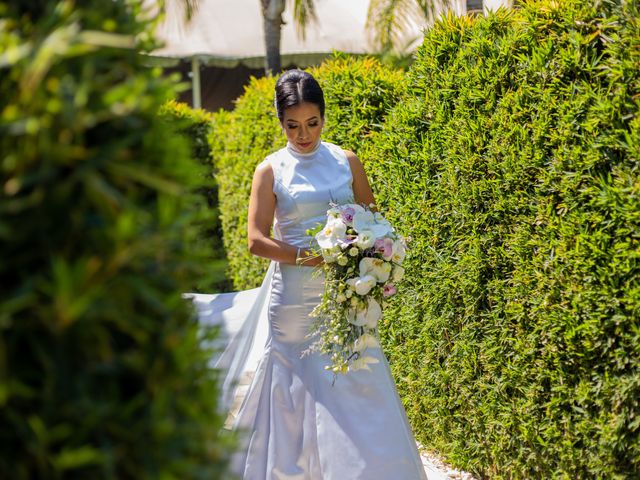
(313, 231)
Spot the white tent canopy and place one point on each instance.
(228, 33)
(225, 33)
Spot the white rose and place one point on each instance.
(376, 267)
(365, 239)
(362, 285)
(399, 251)
(398, 273)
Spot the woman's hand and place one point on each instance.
(307, 259)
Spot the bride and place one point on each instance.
(297, 423)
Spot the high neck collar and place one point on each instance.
(292, 149)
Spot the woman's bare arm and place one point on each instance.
(361, 188)
(262, 205)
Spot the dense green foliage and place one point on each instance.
(240, 141)
(513, 164)
(196, 125)
(101, 370)
(358, 93)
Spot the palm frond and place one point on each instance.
(190, 7)
(304, 12)
(389, 20)
(185, 8)
(430, 8)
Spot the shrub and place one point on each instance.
(513, 165)
(358, 93)
(101, 370)
(196, 125)
(240, 141)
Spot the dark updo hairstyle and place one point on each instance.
(295, 87)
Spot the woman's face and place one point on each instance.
(302, 124)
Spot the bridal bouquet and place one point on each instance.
(363, 257)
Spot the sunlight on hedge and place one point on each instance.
(509, 155)
(513, 166)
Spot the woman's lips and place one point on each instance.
(304, 145)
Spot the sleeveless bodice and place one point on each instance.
(304, 185)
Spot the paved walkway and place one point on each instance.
(436, 469)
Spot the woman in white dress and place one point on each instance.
(297, 422)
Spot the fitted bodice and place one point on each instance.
(305, 185)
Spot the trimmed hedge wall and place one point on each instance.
(196, 126)
(102, 374)
(239, 142)
(358, 93)
(513, 164)
(511, 159)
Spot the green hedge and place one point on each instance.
(101, 370)
(511, 161)
(513, 164)
(358, 93)
(240, 140)
(196, 125)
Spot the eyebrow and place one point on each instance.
(315, 117)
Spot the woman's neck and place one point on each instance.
(291, 147)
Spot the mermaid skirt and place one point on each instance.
(297, 423)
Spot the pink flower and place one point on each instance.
(384, 246)
(347, 215)
(348, 240)
(389, 290)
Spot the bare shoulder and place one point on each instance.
(354, 162)
(263, 172)
(361, 188)
(352, 157)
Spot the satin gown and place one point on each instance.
(296, 422)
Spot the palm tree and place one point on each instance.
(389, 19)
(272, 10)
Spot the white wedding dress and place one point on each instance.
(295, 421)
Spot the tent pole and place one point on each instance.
(195, 82)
